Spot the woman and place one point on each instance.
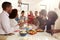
(30, 18)
(12, 17)
(52, 17)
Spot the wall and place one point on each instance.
(35, 4)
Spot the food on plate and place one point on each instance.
(39, 30)
(32, 32)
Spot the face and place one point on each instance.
(22, 14)
(9, 9)
(31, 13)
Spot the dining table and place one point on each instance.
(37, 36)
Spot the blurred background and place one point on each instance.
(36, 5)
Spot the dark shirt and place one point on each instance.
(42, 22)
(49, 23)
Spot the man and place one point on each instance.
(42, 19)
(5, 27)
(52, 17)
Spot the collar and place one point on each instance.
(5, 13)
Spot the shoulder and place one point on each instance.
(3, 15)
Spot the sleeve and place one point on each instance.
(6, 24)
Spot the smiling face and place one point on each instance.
(9, 9)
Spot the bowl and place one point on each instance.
(23, 34)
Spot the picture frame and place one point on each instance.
(25, 6)
(43, 7)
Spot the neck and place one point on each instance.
(6, 11)
(35, 15)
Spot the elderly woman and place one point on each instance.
(30, 18)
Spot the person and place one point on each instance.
(5, 27)
(35, 24)
(42, 19)
(23, 17)
(30, 18)
(36, 14)
(52, 17)
(35, 21)
(17, 19)
(12, 17)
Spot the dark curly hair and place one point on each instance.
(43, 12)
(52, 16)
(5, 5)
(13, 14)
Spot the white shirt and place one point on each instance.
(5, 27)
(14, 24)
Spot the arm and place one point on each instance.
(6, 24)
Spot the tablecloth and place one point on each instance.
(38, 36)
